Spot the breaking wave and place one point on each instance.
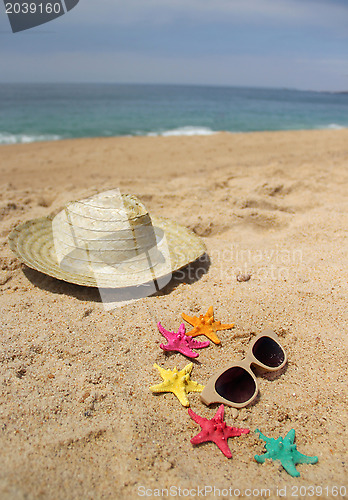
(6, 138)
(184, 131)
(335, 126)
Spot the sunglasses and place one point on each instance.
(236, 385)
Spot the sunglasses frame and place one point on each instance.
(209, 394)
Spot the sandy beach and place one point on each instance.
(78, 420)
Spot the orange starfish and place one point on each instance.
(205, 325)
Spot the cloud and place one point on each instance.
(321, 13)
(156, 12)
(128, 67)
(232, 42)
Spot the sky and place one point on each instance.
(300, 44)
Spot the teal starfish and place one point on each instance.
(285, 451)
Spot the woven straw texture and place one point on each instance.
(33, 243)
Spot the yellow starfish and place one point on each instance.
(205, 325)
(177, 382)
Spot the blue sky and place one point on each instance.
(270, 43)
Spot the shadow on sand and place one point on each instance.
(188, 275)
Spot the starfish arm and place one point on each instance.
(194, 386)
(162, 387)
(219, 415)
(222, 444)
(262, 458)
(290, 437)
(213, 337)
(167, 347)
(186, 351)
(196, 344)
(163, 371)
(263, 437)
(210, 312)
(202, 437)
(194, 332)
(193, 320)
(224, 327)
(234, 431)
(186, 370)
(181, 395)
(182, 328)
(290, 468)
(299, 458)
(168, 335)
(197, 418)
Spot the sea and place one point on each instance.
(40, 112)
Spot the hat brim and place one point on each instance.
(32, 242)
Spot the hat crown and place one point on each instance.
(110, 206)
(111, 227)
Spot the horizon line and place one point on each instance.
(216, 85)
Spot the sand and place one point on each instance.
(77, 418)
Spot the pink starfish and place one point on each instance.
(216, 430)
(181, 342)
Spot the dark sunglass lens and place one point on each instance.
(268, 352)
(236, 385)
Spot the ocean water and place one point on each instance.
(38, 112)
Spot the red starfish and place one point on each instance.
(216, 430)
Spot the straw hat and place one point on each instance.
(108, 240)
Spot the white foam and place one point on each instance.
(335, 126)
(331, 126)
(185, 131)
(6, 138)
